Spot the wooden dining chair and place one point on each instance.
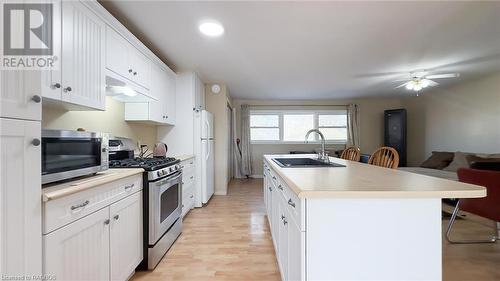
(386, 157)
(351, 153)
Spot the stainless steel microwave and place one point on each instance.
(70, 154)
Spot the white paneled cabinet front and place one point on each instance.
(20, 94)
(79, 42)
(79, 251)
(83, 56)
(20, 204)
(126, 236)
(103, 245)
(124, 59)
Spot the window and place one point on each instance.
(291, 126)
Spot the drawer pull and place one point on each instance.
(280, 187)
(182, 167)
(270, 189)
(191, 177)
(127, 187)
(106, 222)
(290, 202)
(274, 177)
(285, 221)
(80, 205)
(191, 163)
(282, 217)
(192, 196)
(116, 217)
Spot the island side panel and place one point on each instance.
(373, 239)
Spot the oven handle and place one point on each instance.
(162, 182)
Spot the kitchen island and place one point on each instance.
(357, 222)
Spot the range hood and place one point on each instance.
(125, 91)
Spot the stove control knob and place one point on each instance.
(164, 172)
(158, 173)
(176, 167)
(171, 169)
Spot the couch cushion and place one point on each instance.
(459, 161)
(438, 160)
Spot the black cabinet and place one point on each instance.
(395, 132)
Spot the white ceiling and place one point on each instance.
(318, 50)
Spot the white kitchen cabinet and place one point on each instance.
(124, 59)
(100, 239)
(199, 93)
(79, 43)
(162, 110)
(295, 251)
(79, 251)
(20, 94)
(20, 204)
(188, 184)
(126, 236)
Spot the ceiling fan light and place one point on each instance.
(425, 83)
(417, 88)
(409, 86)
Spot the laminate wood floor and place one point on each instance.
(229, 239)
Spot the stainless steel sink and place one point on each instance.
(303, 163)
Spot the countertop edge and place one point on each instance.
(88, 183)
(309, 194)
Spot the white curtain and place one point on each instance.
(246, 152)
(236, 151)
(353, 125)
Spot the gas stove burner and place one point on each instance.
(148, 164)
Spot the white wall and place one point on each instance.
(371, 125)
(111, 121)
(217, 105)
(464, 117)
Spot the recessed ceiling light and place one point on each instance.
(211, 28)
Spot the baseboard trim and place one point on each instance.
(257, 176)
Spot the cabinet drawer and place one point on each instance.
(188, 178)
(294, 205)
(62, 211)
(187, 191)
(188, 164)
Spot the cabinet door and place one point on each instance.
(20, 198)
(199, 89)
(141, 67)
(283, 239)
(169, 86)
(126, 236)
(83, 56)
(51, 79)
(157, 108)
(117, 53)
(295, 253)
(275, 217)
(20, 94)
(80, 250)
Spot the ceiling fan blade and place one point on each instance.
(402, 85)
(432, 83)
(440, 76)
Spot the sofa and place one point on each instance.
(443, 164)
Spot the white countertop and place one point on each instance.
(367, 181)
(58, 190)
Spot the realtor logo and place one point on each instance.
(27, 29)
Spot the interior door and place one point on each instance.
(80, 250)
(126, 236)
(83, 56)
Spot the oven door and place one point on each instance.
(164, 205)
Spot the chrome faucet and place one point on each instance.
(322, 154)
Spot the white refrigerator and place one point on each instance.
(207, 156)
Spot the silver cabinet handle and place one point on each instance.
(280, 187)
(290, 202)
(270, 189)
(274, 177)
(191, 196)
(116, 217)
(127, 187)
(191, 163)
(285, 221)
(68, 89)
(35, 142)
(56, 86)
(135, 73)
(191, 177)
(36, 98)
(74, 207)
(106, 222)
(282, 217)
(130, 70)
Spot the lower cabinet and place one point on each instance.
(288, 237)
(104, 245)
(188, 185)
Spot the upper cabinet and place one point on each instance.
(199, 90)
(162, 110)
(79, 39)
(125, 60)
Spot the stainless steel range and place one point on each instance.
(162, 204)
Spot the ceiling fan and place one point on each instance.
(419, 80)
